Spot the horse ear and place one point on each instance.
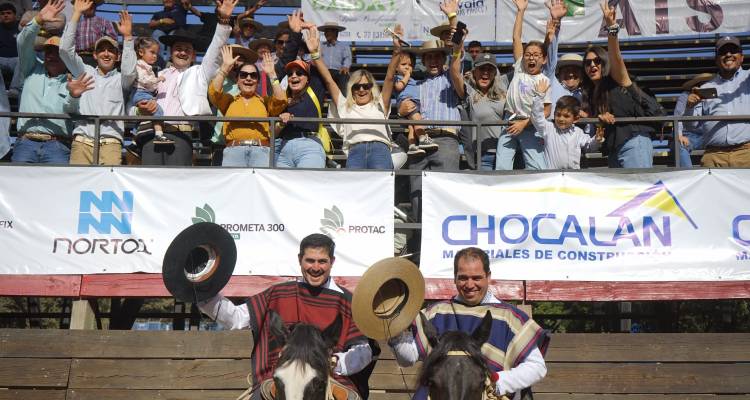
(482, 333)
(277, 327)
(332, 332)
(429, 330)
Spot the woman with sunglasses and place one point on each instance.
(300, 146)
(368, 145)
(613, 95)
(247, 143)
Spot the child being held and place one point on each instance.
(407, 90)
(563, 140)
(146, 82)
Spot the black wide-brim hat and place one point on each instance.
(199, 262)
(184, 36)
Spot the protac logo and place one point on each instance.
(332, 224)
(102, 213)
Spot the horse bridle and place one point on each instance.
(489, 386)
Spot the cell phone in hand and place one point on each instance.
(458, 35)
(707, 93)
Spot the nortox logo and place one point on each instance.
(332, 224)
(102, 213)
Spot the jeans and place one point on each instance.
(49, 152)
(245, 156)
(140, 95)
(301, 153)
(696, 143)
(532, 147)
(370, 155)
(488, 162)
(446, 158)
(636, 152)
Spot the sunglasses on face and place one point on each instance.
(245, 75)
(362, 86)
(297, 72)
(729, 49)
(596, 61)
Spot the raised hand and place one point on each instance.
(449, 6)
(607, 118)
(610, 13)
(542, 86)
(50, 11)
(76, 87)
(125, 26)
(82, 5)
(312, 39)
(268, 66)
(227, 60)
(557, 8)
(521, 5)
(225, 9)
(295, 21)
(186, 4)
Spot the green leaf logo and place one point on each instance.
(332, 222)
(205, 214)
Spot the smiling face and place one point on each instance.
(362, 91)
(592, 65)
(316, 265)
(534, 59)
(471, 280)
(106, 55)
(247, 80)
(149, 54)
(729, 59)
(434, 62)
(565, 118)
(297, 79)
(183, 54)
(484, 76)
(570, 76)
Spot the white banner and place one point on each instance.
(677, 226)
(79, 220)
(492, 20)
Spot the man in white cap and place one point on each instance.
(727, 142)
(336, 55)
(110, 88)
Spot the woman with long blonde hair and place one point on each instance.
(368, 145)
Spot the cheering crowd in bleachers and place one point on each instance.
(78, 66)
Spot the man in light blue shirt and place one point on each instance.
(727, 143)
(43, 140)
(337, 55)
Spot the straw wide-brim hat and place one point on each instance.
(430, 46)
(331, 26)
(250, 21)
(438, 30)
(388, 297)
(246, 55)
(697, 81)
(259, 42)
(567, 60)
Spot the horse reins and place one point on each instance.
(489, 386)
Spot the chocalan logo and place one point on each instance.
(205, 214)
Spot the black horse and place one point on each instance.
(455, 369)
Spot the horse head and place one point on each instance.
(455, 368)
(304, 364)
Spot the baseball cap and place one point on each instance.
(109, 40)
(52, 41)
(484, 59)
(727, 40)
(299, 64)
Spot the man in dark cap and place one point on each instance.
(727, 142)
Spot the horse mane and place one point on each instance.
(305, 343)
(451, 341)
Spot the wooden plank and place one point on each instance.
(82, 316)
(574, 396)
(158, 374)
(644, 347)
(389, 396)
(36, 373)
(151, 285)
(16, 394)
(388, 382)
(633, 291)
(691, 378)
(119, 394)
(54, 343)
(40, 285)
(391, 367)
